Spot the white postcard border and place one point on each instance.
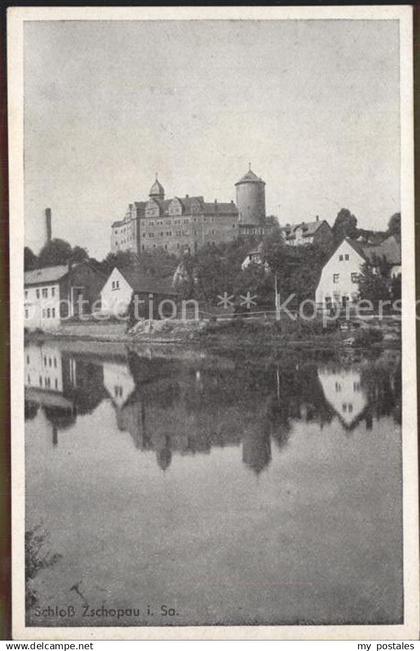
(410, 628)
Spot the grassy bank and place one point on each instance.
(237, 332)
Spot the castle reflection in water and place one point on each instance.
(189, 403)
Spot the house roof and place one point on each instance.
(141, 283)
(389, 249)
(223, 208)
(250, 177)
(309, 228)
(45, 275)
(357, 246)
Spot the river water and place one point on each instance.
(175, 487)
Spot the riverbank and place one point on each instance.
(233, 333)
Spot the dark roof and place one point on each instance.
(353, 243)
(215, 207)
(389, 249)
(249, 177)
(309, 228)
(141, 283)
(45, 275)
(188, 201)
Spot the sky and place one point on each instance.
(313, 105)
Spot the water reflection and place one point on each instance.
(250, 488)
(188, 405)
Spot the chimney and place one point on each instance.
(48, 224)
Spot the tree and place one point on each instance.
(157, 263)
(373, 286)
(30, 260)
(56, 252)
(345, 225)
(79, 254)
(394, 224)
(256, 280)
(120, 259)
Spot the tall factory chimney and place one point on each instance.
(48, 225)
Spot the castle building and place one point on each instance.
(177, 225)
(250, 199)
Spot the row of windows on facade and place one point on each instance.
(151, 222)
(44, 291)
(356, 387)
(48, 313)
(167, 234)
(354, 277)
(165, 246)
(48, 361)
(46, 382)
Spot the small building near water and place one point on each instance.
(60, 292)
(156, 299)
(339, 281)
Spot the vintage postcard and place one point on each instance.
(213, 323)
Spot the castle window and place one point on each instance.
(26, 314)
(336, 278)
(52, 291)
(45, 292)
(26, 293)
(340, 257)
(53, 312)
(346, 257)
(354, 277)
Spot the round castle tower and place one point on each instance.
(250, 199)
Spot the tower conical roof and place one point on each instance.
(250, 177)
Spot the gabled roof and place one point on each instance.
(187, 202)
(139, 282)
(309, 228)
(353, 243)
(223, 208)
(45, 275)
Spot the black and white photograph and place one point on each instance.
(213, 344)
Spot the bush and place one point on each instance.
(368, 336)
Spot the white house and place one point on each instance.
(339, 282)
(42, 296)
(344, 391)
(116, 293)
(60, 292)
(118, 382)
(123, 283)
(43, 368)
